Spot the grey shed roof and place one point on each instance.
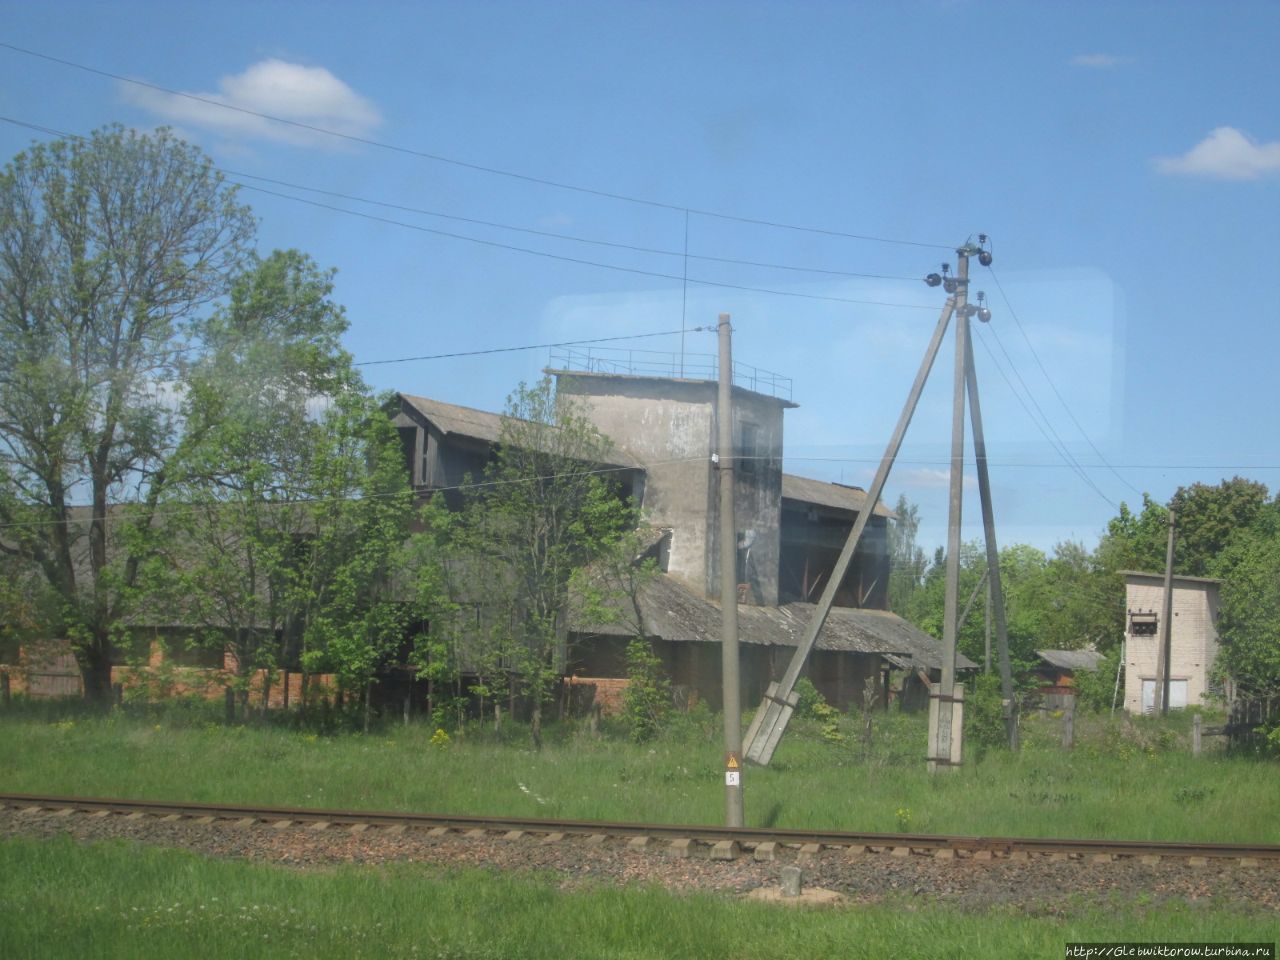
(453, 420)
(1071, 659)
(462, 421)
(673, 612)
(836, 495)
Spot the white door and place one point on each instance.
(1177, 695)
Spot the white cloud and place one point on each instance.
(290, 91)
(1226, 154)
(1099, 61)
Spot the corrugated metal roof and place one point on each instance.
(1071, 659)
(835, 495)
(673, 612)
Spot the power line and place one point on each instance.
(996, 461)
(532, 346)
(564, 236)
(540, 253)
(1056, 442)
(1013, 313)
(580, 260)
(440, 158)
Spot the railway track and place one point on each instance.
(681, 840)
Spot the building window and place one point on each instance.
(1143, 623)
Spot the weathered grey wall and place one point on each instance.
(757, 500)
(669, 425)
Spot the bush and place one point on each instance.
(984, 712)
(1095, 688)
(646, 703)
(812, 705)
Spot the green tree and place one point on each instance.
(1249, 619)
(289, 499)
(543, 511)
(1083, 603)
(1209, 517)
(109, 248)
(907, 562)
(349, 591)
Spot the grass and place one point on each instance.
(1122, 781)
(116, 900)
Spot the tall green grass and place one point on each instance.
(58, 899)
(1121, 781)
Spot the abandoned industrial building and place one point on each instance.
(662, 428)
(790, 531)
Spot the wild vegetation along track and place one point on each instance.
(746, 838)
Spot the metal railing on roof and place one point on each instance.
(676, 366)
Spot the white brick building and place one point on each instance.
(1193, 642)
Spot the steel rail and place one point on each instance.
(747, 837)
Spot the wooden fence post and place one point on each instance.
(1069, 724)
(5, 695)
(1196, 733)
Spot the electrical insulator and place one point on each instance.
(933, 280)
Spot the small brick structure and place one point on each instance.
(603, 693)
(47, 669)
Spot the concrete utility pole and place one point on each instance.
(944, 751)
(945, 726)
(995, 595)
(1164, 668)
(780, 700)
(986, 648)
(732, 696)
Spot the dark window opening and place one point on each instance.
(1143, 624)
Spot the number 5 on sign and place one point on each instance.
(732, 778)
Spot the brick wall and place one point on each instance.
(1193, 642)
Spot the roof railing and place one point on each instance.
(676, 366)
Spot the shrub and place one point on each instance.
(1095, 688)
(812, 705)
(984, 712)
(646, 703)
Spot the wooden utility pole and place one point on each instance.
(730, 676)
(1164, 666)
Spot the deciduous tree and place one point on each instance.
(110, 246)
(543, 511)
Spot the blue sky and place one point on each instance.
(1123, 157)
